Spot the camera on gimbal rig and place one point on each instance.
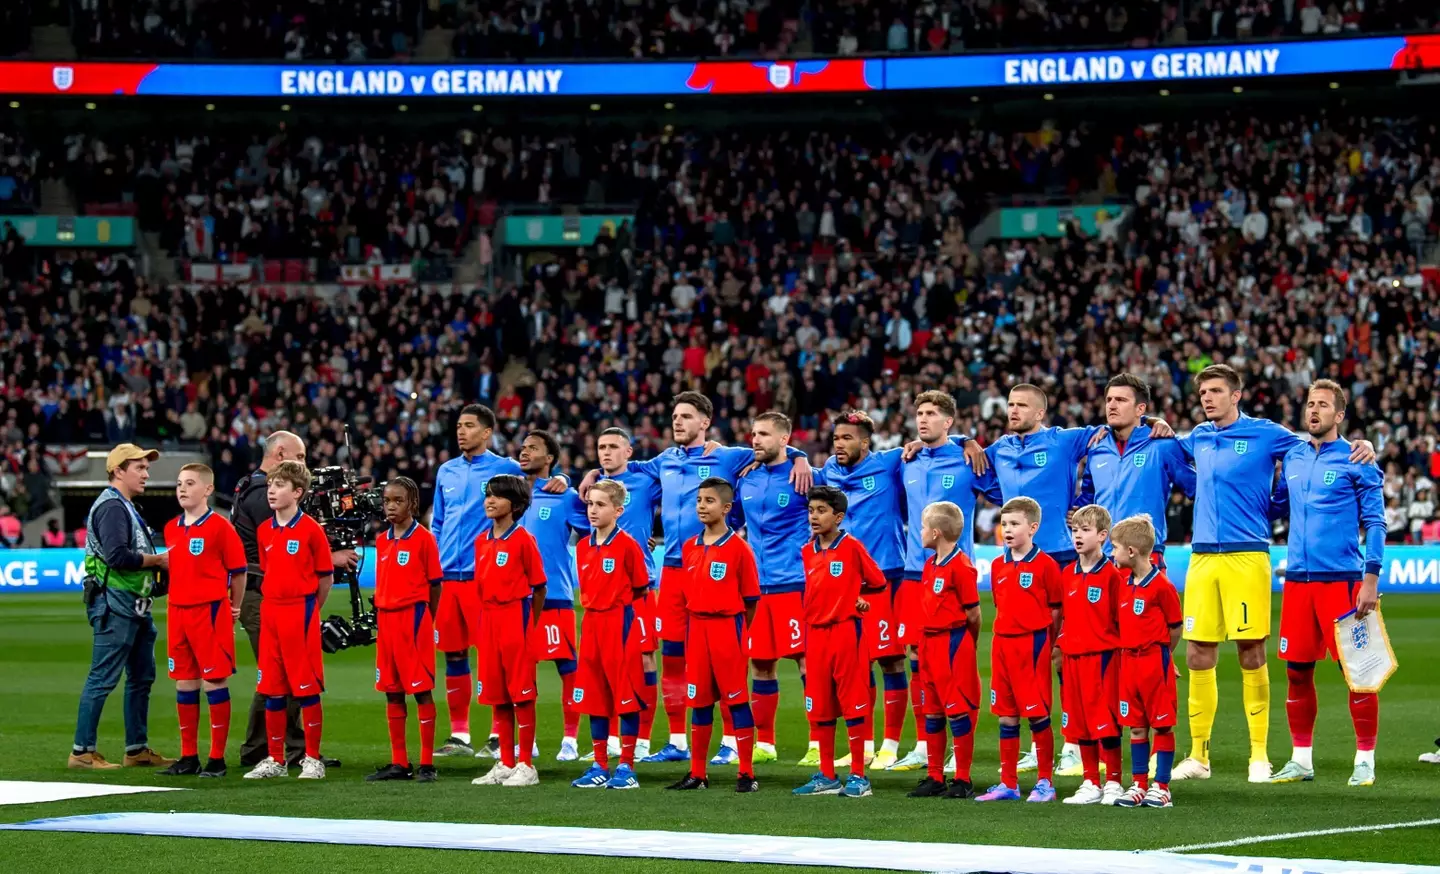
(345, 505)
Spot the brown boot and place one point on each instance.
(147, 758)
(90, 762)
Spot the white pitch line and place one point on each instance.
(1260, 839)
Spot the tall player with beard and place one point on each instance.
(679, 470)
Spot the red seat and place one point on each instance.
(294, 270)
(274, 271)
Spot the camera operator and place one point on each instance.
(251, 508)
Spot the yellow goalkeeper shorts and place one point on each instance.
(1227, 596)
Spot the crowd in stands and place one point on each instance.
(349, 30)
(804, 273)
(18, 185)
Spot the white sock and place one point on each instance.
(1365, 757)
(814, 745)
(1304, 757)
(729, 741)
(761, 745)
(890, 746)
(1032, 750)
(1070, 750)
(679, 741)
(569, 739)
(870, 748)
(463, 737)
(920, 747)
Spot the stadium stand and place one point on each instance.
(344, 30)
(800, 273)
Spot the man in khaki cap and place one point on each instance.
(120, 567)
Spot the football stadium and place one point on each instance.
(948, 436)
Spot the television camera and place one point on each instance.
(345, 504)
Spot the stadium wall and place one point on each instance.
(1406, 569)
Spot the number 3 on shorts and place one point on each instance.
(794, 631)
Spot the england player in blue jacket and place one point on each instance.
(1331, 501)
(776, 521)
(553, 519)
(457, 518)
(1227, 586)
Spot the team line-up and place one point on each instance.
(867, 559)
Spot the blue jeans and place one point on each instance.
(121, 643)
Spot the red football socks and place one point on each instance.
(458, 690)
(745, 743)
(825, 736)
(627, 750)
(525, 728)
(602, 755)
(700, 748)
(275, 733)
(1365, 713)
(856, 735)
(395, 715)
(189, 712)
(1111, 758)
(426, 714)
(1090, 761)
(648, 695)
(1009, 760)
(896, 701)
(672, 689)
(1044, 752)
(764, 705)
(964, 747)
(567, 704)
(313, 718)
(727, 722)
(219, 725)
(934, 753)
(504, 724)
(1301, 706)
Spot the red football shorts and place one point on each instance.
(1019, 674)
(611, 675)
(405, 650)
(1307, 619)
(909, 616)
(457, 623)
(554, 639)
(716, 666)
(949, 673)
(778, 631)
(670, 615)
(645, 617)
(200, 641)
(882, 635)
(837, 672)
(1147, 688)
(506, 667)
(290, 661)
(1089, 692)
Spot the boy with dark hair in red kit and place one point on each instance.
(407, 594)
(721, 589)
(613, 581)
(949, 670)
(837, 677)
(207, 584)
(298, 571)
(1025, 584)
(511, 580)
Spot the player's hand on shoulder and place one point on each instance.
(711, 446)
(1362, 452)
(1097, 436)
(557, 484)
(590, 479)
(745, 471)
(912, 448)
(1160, 429)
(975, 455)
(801, 475)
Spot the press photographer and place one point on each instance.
(251, 508)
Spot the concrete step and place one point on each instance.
(435, 45)
(52, 42)
(162, 266)
(56, 198)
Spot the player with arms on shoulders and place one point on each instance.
(1330, 499)
(720, 592)
(1025, 585)
(613, 579)
(407, 593)
(1149, 632)
(837, 686)
(207, 584)
(511, 578)
(949, 670)
(298, 572)
(1090, 671)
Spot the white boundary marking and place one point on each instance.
(1315, 833)
(35, 792)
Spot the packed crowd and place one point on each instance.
(18, 186)
(803, 274)
(345, 30)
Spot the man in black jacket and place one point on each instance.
(250, 510)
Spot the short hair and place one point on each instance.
(859, 418)
(1036, 390)
(720, 487)
(513, 489)
(1094, 515)
(1137, 385)
(552, 446)
(1136, 532)
(695, 399)
(942, 401)
(614, 488)
(292, 472)
(946, 517)
(273, 441)
(615, 432)
(201, 470)
(831, 496)
(1341, 398)
(1028, 506)
(483, 414)
(412, 491)
(780, 420)
(1220, 371)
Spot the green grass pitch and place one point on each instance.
(44, 653)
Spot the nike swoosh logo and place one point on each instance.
(911, 482)
(306, 686)
(859, 706)
(1031, 707)
(207, 670)
(1073, 592)
(1160, 717)
(1195, 714)
(749, 497)
(1101, 464)
(1257, 711)
(1102, 726)
(1245, 628)
(732, 695)
(526, 691)
(311, 724)
(214, 725)
(1295, 476)
(416, 683)
(627, 701)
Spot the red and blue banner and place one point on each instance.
(840, 75)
